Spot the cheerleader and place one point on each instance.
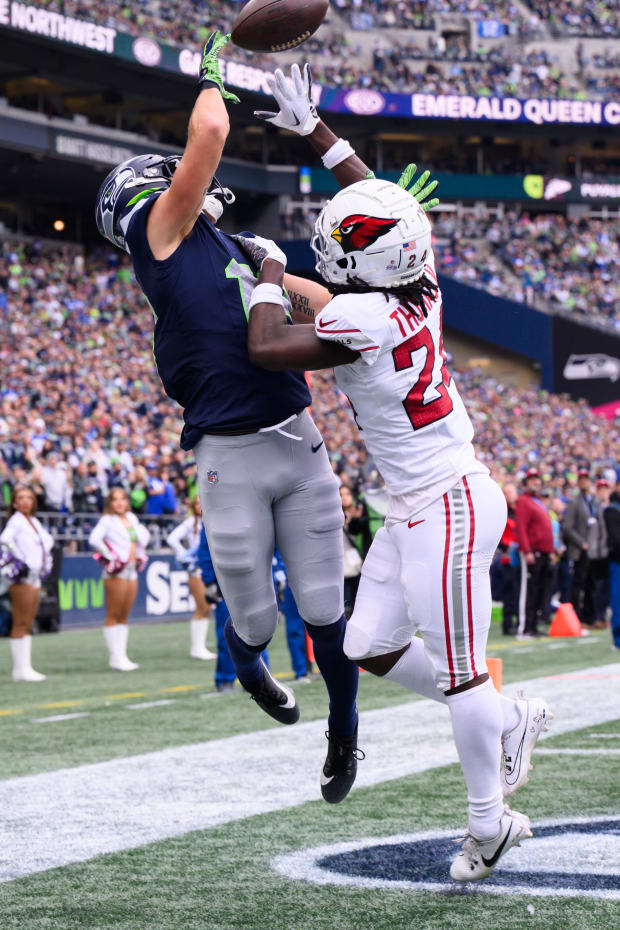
(119, 541)
(184, 540)
(30, 546)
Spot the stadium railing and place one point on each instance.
(71, 530)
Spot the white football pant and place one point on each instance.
(430, 575)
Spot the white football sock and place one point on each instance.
(510, 712)
(198, 638)
(415, 672)
(477, 727)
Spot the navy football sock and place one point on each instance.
(339, 673)
(246, 659)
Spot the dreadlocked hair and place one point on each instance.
(411, 296)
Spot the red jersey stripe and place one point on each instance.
(444, 590)
(320, 329)
(470, 549)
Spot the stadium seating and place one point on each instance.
(547, 261)
(459, 46)
(82, 382)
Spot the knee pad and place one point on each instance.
(357, 642)
(257, 625)
(322, 605)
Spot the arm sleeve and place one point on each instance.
(97, 539)
(7, 536)
(47, 538)
(521, 526)
(175, 540)
(142, 533)
(344, 320)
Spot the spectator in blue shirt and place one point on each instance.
(161, 494)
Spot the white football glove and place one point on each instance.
(294, 97)
(259, 249)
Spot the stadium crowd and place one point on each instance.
(83, 409)
(579, 17)
(452, 66)
(571, 265)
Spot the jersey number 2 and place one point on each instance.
(422, 413)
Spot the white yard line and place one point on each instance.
(144, 704)
(58, 717)
(57, 818)
(577, 752)
(604, 735)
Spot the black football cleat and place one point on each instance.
(276, 700)
(340, 769)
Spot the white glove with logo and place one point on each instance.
(259, 249)
(294, 97)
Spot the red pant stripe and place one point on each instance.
(444, 588)
(470, 549)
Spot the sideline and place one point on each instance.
(57, 818)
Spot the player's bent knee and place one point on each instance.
(257, 626)
(381, 665)
(320, 606)
(357, 643)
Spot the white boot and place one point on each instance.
(116, 641)
(198, 634)
(22, 667)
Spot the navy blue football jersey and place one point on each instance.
(200, 296)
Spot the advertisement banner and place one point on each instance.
(500, 187)
(163, 591)
(150, 53)
(586, 362)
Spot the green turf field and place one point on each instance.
(223, 876)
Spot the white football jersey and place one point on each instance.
(404, 400)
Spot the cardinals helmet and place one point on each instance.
(126, 187)
(372, 231)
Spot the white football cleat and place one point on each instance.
(123, 664)
(204, 654)
(28, 674)
(478, 858)
(518, 745)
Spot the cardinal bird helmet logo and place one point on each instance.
(357, 231)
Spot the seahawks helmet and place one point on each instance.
(126, 186)
(372, 232)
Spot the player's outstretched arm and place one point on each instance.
(176, 210)
(307, 298)
(272, 343)
(298, 114)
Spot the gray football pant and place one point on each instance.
(265, 490)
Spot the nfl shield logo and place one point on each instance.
(212, 477)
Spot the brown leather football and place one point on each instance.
(277, 25)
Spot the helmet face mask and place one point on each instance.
(374, 232)
(216, 198)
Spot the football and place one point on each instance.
(277, 25)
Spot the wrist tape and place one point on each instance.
(340, 151)
(266, 294)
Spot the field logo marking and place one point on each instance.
(577, 857)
